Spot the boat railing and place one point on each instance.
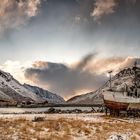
(125, 94)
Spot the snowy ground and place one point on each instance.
(67, 127)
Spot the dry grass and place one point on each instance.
(64, 129)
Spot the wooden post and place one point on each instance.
(106, 111)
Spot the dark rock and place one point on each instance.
(51, 110)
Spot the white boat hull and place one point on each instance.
(118, 100)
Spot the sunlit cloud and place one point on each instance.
(16, 69)
(14, 13)
(103, 7)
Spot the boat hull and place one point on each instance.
(119, 101)
(116, 105)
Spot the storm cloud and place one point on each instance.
(63, 79)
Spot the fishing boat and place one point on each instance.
(119, 100)
(127, 97)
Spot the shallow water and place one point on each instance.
(40, 109)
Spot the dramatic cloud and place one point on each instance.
(82, 64)
(63, 79)
(14, 13)
(103, 7)
(106, 7)
(113, 63)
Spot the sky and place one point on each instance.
(67, 46)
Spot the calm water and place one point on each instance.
(41, 109)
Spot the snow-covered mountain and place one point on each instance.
(44, 94)
(89, 98)
(13, 92)
(122, 81)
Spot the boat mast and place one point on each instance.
(110, 79)
(135, 72)
(135, 78)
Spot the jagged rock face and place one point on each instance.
(122, 81)
(12, 91)
(126, 79)
(46, 95)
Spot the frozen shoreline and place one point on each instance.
(93, 117)
(90, 117)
